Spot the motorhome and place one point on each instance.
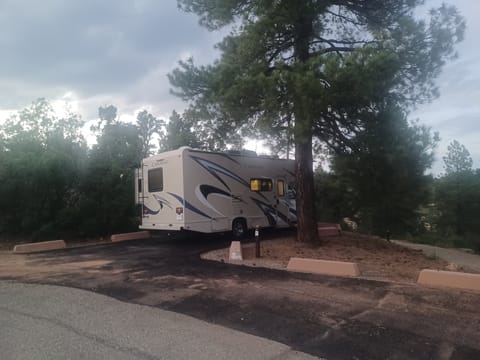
(188, 189)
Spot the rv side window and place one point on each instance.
(155, 180)
(280, 188)
(261, 184)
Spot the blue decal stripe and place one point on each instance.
(215, 153)
(228, 157)
(208, 189)
(267, 211)
(162, 202)
(189, 206)
(212, 168)
(148, 211)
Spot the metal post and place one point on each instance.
(257, 241)
(388, 235)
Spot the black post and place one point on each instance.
(388, 235)
(257, 242)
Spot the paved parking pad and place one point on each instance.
(336, 318)
(51, 322)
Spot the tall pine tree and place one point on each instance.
(317, 63)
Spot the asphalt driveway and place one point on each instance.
(52, 322)
(336, 318)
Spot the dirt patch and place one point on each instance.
(376, 258)
(20, 265)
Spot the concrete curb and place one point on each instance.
(39, 247)
(450, 279)
(235, 251)
(130, 236)
(328, 229)
(326, 267)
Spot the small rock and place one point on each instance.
(453, 267)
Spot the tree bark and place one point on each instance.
(307, 230)
(306, 221)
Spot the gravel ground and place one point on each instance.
(376, 258)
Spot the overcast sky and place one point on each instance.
(95, 53)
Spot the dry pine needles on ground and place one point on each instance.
(376, 258)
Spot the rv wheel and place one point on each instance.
(239, 228)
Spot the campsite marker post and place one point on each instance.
(257, 241)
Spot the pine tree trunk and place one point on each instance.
(306, 222)
(306, 219)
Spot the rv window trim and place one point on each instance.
(158, 187)
(261, 185)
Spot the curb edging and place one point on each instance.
(325, 267)
(39, 247)
(452, 279)
(130, 236)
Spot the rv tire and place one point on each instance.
(239, 228)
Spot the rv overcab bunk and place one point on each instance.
(208, 192)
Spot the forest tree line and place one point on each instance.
(53, 185)
(318, 79)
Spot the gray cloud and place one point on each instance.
(456, 113)
(90, 46)
(120, 51)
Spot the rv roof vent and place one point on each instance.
(267, 156)
(242, 152)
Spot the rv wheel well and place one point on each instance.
(239, 227)
(240, 219)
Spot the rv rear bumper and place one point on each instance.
(172, 227)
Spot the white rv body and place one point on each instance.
(195, 190)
